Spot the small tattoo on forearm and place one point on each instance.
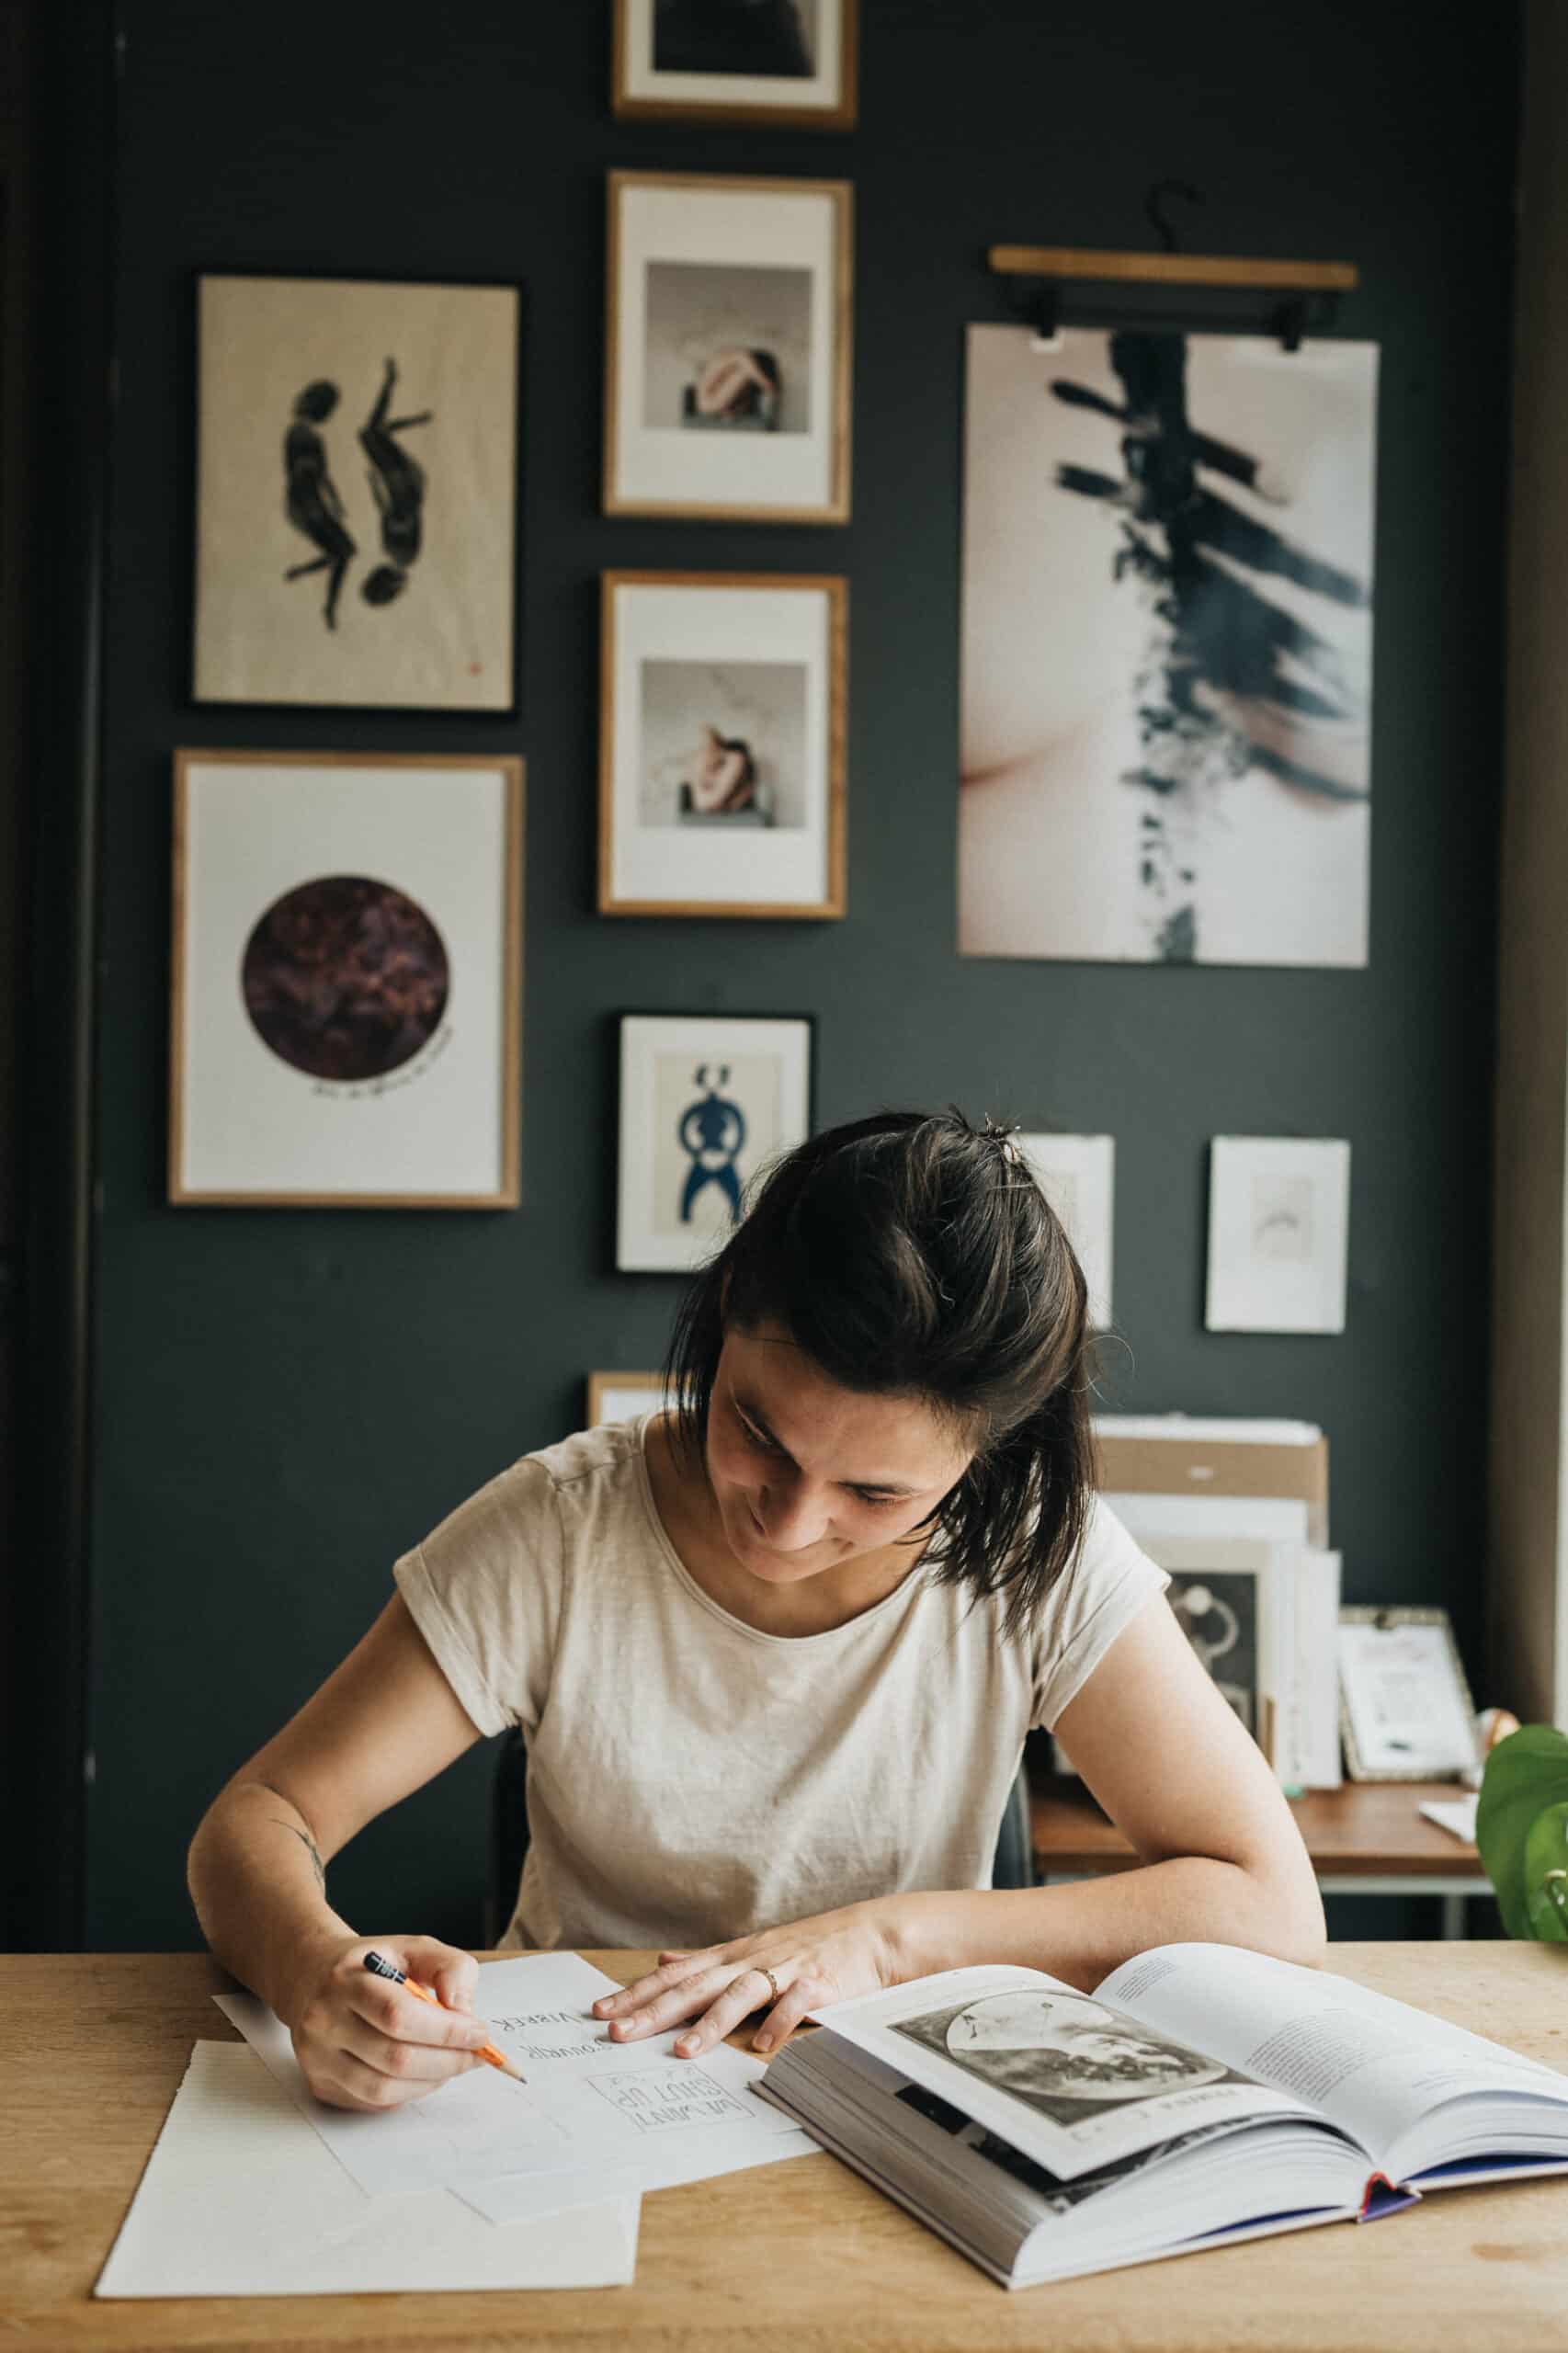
(309, 1843)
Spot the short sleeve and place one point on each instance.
(1107, 1584)
(484, 1591)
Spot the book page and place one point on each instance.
(1054, 2072)
(240, 2198)
(1374, 2066)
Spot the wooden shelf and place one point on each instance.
(1366, 1830)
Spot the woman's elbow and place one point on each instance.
(1291, 1904)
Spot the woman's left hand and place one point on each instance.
(812, 1962)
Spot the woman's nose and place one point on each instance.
(792, 1518)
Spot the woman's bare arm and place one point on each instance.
(383, 1724)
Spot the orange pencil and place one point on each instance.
(378, 1967)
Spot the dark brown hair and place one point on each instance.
(913, 1254)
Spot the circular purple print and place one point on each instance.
(344, 978)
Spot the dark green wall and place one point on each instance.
(286, 1400)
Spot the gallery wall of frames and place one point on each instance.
(622, 649)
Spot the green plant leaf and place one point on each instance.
(1524, 1775)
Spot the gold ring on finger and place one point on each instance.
(772, 1980)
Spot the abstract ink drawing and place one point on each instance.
(397, 480)
(313, 506)
(311, 498)
(1167, 648)
(1231, 680)
(712, 1135)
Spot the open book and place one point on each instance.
(1202, 2094)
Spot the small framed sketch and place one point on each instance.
(1278, 1229)
(357, 490)
(1225, 1593)
(790, 63)
(721, 729)
(623, 1396)
(1405, 1708)
(706, 1101)
(345, 1026)
(727, 368)
(1078, 1176)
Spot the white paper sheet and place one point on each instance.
(1457, 1814)
(588, 2105)
(240, 2198)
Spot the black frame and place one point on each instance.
(686, 1013)
(494, 714)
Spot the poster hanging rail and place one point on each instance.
(1301, 286)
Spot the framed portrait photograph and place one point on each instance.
(345, 1008)
(1078, 1176)
(707, 1100)
(790, 63)
(727, 347)
(1405, 1708)
(356, 493)
(1278, 1233)
(722, 744)
(623, 1396)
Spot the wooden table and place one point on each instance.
(1368, 1838)
(800, 2257)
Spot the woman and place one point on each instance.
(775, 1657)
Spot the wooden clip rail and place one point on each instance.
(1060, 262)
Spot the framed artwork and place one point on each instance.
(790, 63)
(706, 1101)
(356, 493)
(1278, 1231)
(1405, 1708)
(727, 347)
(1165, 711)
(623, 1396)
(1078, 1176)
(722, 738)
(1226, 1592)
(345, 1015)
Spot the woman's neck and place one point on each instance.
(811, 1605)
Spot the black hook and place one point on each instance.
(1152, 207)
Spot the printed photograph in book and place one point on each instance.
(1166, 648)
(1064, 2054)
(773, 62)
(356, 494)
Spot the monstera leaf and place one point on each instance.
(1521, 1828)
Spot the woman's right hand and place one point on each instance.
(365, 2043)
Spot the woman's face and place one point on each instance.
(807, 1475)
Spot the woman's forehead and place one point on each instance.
(868, 1438)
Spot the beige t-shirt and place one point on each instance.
(691, 1779)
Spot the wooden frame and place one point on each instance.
(840, 116)
(600, 1385)
(1356, 1766)
(834, 588)
(509, 1193)
(642, 1246)
(835, 506)
(387, 285)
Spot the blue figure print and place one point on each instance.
(713, 1134)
